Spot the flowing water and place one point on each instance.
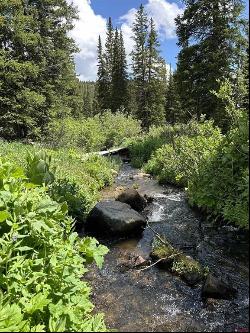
(154, 300)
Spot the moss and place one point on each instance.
(177, 262)
(163, 251)
(184, 264)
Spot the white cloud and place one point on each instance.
(163, 13)
(90, 26)
(85, 33)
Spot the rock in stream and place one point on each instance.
(110, 217)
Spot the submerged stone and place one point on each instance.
(163, 252)
(189, 269)
(217, 288)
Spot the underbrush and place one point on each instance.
(179, 162)
(78, 177)
(41, 260)
(93, 134)
(222, 184)
(144, 147)
(213, 167)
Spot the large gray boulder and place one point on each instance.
(110, 217)
(132, 198)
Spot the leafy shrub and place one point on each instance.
(179, 162)
(82, 195)
(38, 169)
(79, 181)
(93, 134)
(79, 201)
(142, 148)
(213, 167)
(16, 152)
(222, 186)
(42, 262)
(118, 128)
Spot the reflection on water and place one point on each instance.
(156, 301)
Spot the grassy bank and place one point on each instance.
(43, 192)
(79, 177)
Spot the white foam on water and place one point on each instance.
(176, 197)
(157, 214)
(160, 195)
(172, 310)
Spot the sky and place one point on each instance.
(93, 15)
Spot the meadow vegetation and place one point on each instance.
(42, 259)
(101, 132)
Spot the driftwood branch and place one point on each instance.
(157, 235)
(159, 260)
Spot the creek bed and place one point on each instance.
(154, 300)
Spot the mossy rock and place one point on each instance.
(166, 252)
(188, 269)
(177, 262)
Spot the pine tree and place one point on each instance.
(102, 80)
(86, 91)
(108, 58)
(37, 75)
(210, 37)
(123, 73)
(139, 64)
(119, 74)
(173, 107)
(149, 72)
(156, 80)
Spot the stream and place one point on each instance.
(154, 300)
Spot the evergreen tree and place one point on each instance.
(139, 64)
(102, 80)
(149, 72)
(210, 36)
(86, 90)
(38, 81)
(173, 107)
(156, 80)
(108, 58)
(123, 73)
(119, 74)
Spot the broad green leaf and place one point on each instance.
(4, 215)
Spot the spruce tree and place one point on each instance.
(149, 72)
(108, 58)
(123, 73)
(139, 64)
(173, 107)
(119, 74)
(210, 37)
(38, 81)
(156, 80)
(102, 79)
